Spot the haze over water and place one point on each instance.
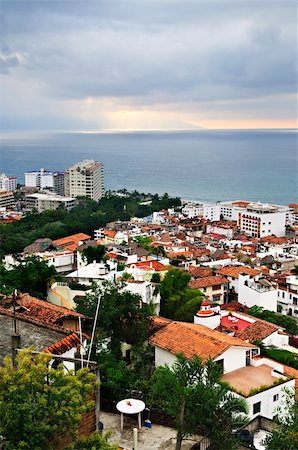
(258, 165)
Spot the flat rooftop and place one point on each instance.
(247, 378)
(234, 323)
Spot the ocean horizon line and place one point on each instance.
(144, 131)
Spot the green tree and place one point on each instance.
(285, 435)
(286, 322)
(178, 301)
(32, 275)
(91, 254)
(95, 441)
(120, 313)
(37, 403)
(190, 391)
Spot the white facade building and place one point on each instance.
(287, 297)
(256, 219)
(7, 183)
(260, 381)
(85, 179)
(257, 291)
(42, 202)
(43, 179)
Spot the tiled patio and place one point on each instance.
(247, 378)
(156, 438)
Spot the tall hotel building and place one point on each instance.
(85, 179)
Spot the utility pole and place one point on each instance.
(15, 336)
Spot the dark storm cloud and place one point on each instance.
(152, 53)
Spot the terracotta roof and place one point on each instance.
(44, 311)
(260, 329)
(64, 345)
(157, 323)
(235, 271)
(207, 281)
(194, 340)
(234, 306)
(200, 272)
(241, 203)
(73, 241)
(149, 265)
(186, 254)
(274, 240)
(110, 233)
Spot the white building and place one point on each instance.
(85, 179)
(7, 183)
(42, 202)
(287, 297)
(257, 291)
(260, 381)
(256, 219)
(146, 290)
(95, 273)
(210, 211)
(44, 179)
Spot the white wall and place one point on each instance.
(250, 297)
(163, 357)
(210, 322)
(234, 358)
(268, 406)
(276, 339)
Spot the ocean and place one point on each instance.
(259, 165)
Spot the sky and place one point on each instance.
(142, 65)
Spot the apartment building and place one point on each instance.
(7, 183)
(287, 296)
(256, 219)
(43, 179)
(6, 199)
(85, 179)
(42, 202)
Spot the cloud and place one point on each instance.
(172, 57)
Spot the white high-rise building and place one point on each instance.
(42, 179)
(85, 179)
(7, 183)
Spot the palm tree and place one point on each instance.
(229, 414)
(192, 393)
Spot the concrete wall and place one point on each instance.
(234, 358)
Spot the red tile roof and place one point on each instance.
(110, 233)
(235, 271)
(72, 242)
(274, 240)
(258, 330)
(44, 311)
(64, 345)
(207, 281)
(200, 272)
(194, 340)
(149, 265)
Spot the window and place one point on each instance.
(216, 287)
(295, 300)
(275, 397)
(256, 408)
